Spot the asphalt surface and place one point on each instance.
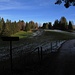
(57, 63)
(63, 62)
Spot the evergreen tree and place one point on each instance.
(45, 26)
(0, 25)
(56, 25)
(3, 26)
(70, 26)
(50, 25)
(7, 30)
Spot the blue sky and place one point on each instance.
(37, 10)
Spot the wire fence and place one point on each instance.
(46, 47)
(26, 55)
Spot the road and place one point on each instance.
(63, 62)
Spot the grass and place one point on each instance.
(22, 34)
(30, 62)
(59, 35)
(46, 36)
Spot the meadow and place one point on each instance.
(29, 63)
(46, 36)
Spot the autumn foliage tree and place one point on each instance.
(8, 28)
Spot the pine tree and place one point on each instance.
(50, 25)
(70, 26)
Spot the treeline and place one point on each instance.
(61, 24)
(8, 28)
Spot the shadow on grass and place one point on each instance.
(28, 64)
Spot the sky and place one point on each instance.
(40, 11)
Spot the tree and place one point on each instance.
(67, 2)
(70, 26)
(56, 24)
(32, 25)
(63, 23)
(36, 25)
(50, 25)
(0, 25)
(27, 27)
(45, 26)
(7, 30)
(21, 25)
(3, 26)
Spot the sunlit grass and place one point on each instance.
(22, 34)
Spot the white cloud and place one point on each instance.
(4, 0)
(13, 4)
(43, 2)
(20, 4)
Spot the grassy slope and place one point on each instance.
(22, 63)
(59, 35)
(46, 36)
(22, 34)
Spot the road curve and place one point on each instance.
(65, 61)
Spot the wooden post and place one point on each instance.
(56, 43)
(51, 46)
(41, 54)
(11, 55)
(38, 54)
(10, 39)
(59, 41)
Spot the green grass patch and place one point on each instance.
(59, 35)
(22, 34)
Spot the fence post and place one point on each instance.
(38, 54)
(56, 43)
(51, 46)
(59, 41)
(41, 54)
